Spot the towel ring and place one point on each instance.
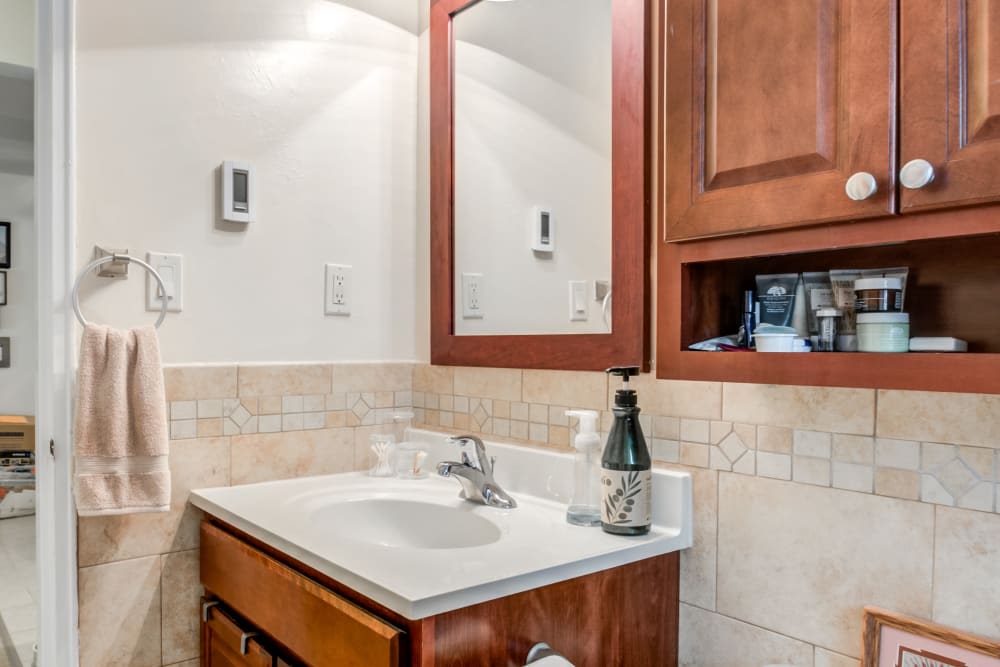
(118, 258)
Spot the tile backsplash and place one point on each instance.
(809, 502)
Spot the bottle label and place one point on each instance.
(626, 496)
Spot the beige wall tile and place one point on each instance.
(502, 383)
(180, 604)
(964, 419)
(189, 383)
(897, 483)
(853, 448)
(803, 560)
(826, 658)
(268, 456)
(778, 466)
(775, 439)
(831, 409)
(193, 464)
(697, 584)
(901, 454)
(371, 376)
(120, 614)
(186, 663)
(577, 389)
(809, 470)
(434, 379)
(284, 379)
(967, 571)
(673, 398)
(712, 640)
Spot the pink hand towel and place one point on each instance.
(120, 438)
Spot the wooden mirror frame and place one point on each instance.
(628, 343)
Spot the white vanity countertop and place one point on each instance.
(533, 545)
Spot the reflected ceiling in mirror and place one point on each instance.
(532, 167)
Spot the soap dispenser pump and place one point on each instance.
(585, 506)
(626, 467)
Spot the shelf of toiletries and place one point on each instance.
(931, 286)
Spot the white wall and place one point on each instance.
(321, 97)
(17, 32)
(17, 318)
(532, 128)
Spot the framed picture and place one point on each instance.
(894, 640)
(4, 245)
(3, 288)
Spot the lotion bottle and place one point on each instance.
(585, 506)
(626, 467)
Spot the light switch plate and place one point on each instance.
(579, 304)
(5, 352)
(171, 269)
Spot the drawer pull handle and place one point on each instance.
(244, 638)
(205, 607)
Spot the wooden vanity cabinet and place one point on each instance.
(770, 108)
(626, 616)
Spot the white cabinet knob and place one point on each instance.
(915, 174)
(861, 186)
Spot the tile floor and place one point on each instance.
(18, 612)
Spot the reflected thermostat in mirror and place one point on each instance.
(543, 231)
(238, 192)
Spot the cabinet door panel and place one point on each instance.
(950, 100)
(771, 107)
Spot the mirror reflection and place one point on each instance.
(532, 167)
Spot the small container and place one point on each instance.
(774, 342)
(801, 345)
(883, 332)
(847, 342)
(829, 323)
(409, 461)
(878, 295)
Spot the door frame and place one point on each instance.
(58, 643)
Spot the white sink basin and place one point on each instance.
(400, 522)
(417, 548)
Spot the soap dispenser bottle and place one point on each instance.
(626, 468)
(585, 506)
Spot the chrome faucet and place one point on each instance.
(475, 474)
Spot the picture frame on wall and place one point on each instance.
(896, 640)
(5, 251)
(3, 288)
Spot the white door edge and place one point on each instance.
(58, 644)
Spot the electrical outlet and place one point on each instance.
(4, 352)
(337, 298)
(472, 301)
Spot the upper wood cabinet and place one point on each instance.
(950, 100)
(772, 107)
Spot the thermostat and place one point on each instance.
(543, 231)
(238, 192)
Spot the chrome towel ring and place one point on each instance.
(118, 258)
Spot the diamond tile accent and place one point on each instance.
(956, 478)
(732, 447)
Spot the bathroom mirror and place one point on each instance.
(539, 182)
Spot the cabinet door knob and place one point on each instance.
(861, 186)
(915, 174)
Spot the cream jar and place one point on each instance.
(883, 332)
(878, 295)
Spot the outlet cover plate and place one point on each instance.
(337, 292)
(5, 352)
(472, 296)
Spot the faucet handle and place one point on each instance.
(474, 455)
